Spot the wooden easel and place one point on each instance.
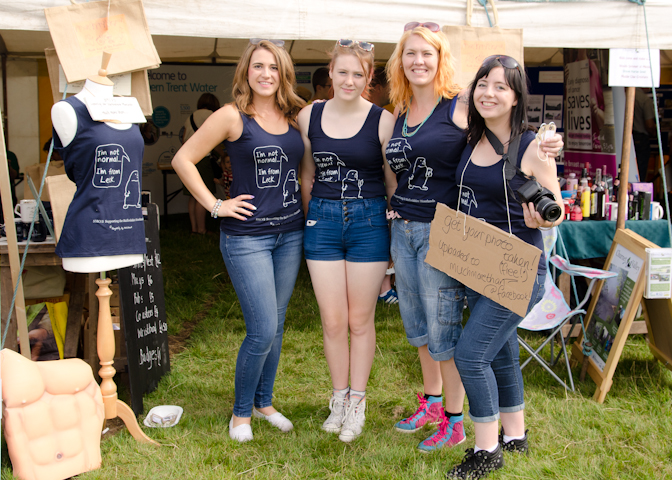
(603, 377)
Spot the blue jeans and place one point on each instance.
(263, 269)
(430, 302)
(487, 356)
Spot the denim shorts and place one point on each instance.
(351, 230)
(430, 302)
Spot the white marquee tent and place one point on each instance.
(188, 28)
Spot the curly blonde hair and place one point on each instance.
(444, 81)
(286, 98)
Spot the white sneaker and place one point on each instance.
(353, 421)
(335, 421)
(242, 433)
(277, 419)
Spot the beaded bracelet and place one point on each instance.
(215, 209)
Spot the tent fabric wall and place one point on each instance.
(579, 24)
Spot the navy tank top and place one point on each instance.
(347, 167)
(483, 196)
(266, 166)
(425, 163)
(105, 215)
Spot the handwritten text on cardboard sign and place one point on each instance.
(484, 258)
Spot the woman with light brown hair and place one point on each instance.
(262, 224)
(346, 238)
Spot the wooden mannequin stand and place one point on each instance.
(64, 120)
(105, 342)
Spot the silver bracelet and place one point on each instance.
(215, 209)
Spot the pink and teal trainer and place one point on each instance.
(449, 434)
(430, 411)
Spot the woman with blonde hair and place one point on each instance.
(262, 224)
(346, 239)
(429, 137)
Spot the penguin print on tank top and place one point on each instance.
(355, 172)
(105, 215)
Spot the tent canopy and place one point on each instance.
(203, 29)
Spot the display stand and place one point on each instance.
(105, 342)
(627, 257)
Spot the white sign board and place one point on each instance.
(630, 67)
(115, 109)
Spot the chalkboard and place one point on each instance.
(144, 316)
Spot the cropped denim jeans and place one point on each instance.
(430, 302)
(263, 270)
(487, 356)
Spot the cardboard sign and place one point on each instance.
(115, 109)
(484, 258)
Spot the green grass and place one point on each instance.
(571, 437)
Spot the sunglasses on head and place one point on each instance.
(431, 26)
(504, 60)
(277, 43)
(366, 46)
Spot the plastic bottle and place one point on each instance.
(572, 182)
(585, 198)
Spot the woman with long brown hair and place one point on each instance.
(262, 224)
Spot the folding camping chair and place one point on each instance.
(552, 312)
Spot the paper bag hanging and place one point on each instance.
(469, 45)
(82, 31)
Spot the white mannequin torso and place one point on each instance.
(64, 120)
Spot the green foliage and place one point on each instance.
(571, 437)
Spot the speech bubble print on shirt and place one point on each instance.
(396, 154)
(467, 199)
(329, 166)
(109, 165)
(268, 163)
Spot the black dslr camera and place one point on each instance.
(543, 199)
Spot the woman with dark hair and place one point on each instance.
(428, 139)
(347, 241)
(486, 355)
(262, 224)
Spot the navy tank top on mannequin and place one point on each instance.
(266, 166)
(105, 215)
(347, 167)
(483, 196)
(425, 163)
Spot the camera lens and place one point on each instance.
(548, 209)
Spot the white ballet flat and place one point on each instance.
(242, 433)
(278, 420)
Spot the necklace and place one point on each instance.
(404, 128)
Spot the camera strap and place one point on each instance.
(510, 157)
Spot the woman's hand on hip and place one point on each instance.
(237, 207)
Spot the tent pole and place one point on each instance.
(13, 254)
(625, 157)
